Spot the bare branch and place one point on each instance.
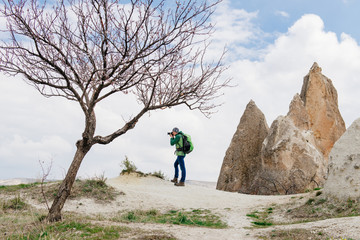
(45, 174)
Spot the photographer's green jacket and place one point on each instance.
(178, 141)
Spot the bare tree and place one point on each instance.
(89, 50)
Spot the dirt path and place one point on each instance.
(153, 193)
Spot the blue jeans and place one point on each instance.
(180, 161)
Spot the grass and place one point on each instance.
(262, 218)
(95, 188)
(129, 167)
(26, 223)
(73, 230)
(21, 221)
(15, 188)
(320, 208)
(197, 217)
(314, 207)
(295, 234)
(15, 203)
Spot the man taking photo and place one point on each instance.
(177, 140)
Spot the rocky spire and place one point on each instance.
(321, 103)
(242, 159)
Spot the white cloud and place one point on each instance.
(47, 147)
(234, 28)
(282, 14)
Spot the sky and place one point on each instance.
(271, 45)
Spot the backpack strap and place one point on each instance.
(181, 149)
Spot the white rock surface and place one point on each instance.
(290, 161)
(344, 165)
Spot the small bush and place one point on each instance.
(252, 215)
(263, 223)
(130, 216)
(128, 166)
(94, 188)
(310, 201)
(158, 174)
(320, 201)
(15, 204)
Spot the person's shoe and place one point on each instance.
(180, 184)
(175, 180)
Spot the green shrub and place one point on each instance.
(158, 174)
(128, 166)
(320, 201)
(252, 215)
(318, 193)
(15, 204)
(310, 201)
(94, 188)
(263, 223)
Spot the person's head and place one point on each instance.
(175, 131)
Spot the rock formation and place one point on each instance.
(321, 103)
(344, 166)
(242, 159)
(290, 162)
(294, 154)
(298, 114)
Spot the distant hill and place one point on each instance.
(17, 181)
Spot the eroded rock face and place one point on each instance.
(298, 114)
(290, 162)
(293, 155)
(321, 103)
(242, 159)
(344, 166)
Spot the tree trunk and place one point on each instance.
(66, 185)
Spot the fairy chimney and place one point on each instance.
(292, 155)
(242, 159)
(321, 103)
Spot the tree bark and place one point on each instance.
(66, 185)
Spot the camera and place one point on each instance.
(169, 133)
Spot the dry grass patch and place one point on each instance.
(95, 188)
(319, 207)
(313, 207)
(295, 234)
(196, 217)
(27, 224)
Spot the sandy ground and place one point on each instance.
(153, 193)
(147, 193)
